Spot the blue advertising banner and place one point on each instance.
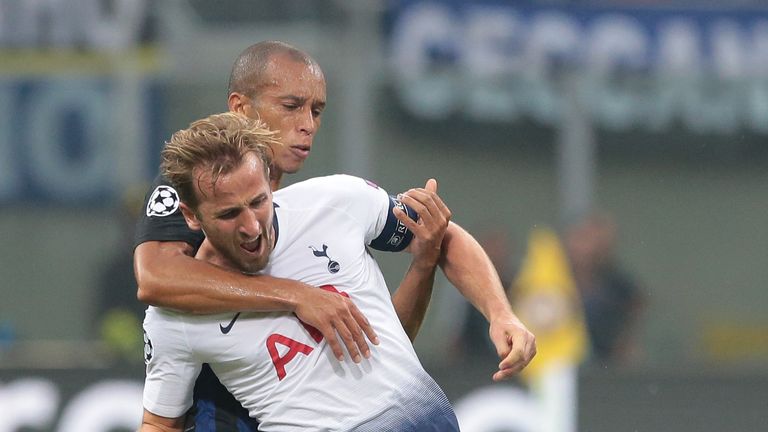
(80, 100)
(61, 141)
(497, 61)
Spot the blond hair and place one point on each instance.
(217, 145)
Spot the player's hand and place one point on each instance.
(429, 231)
(515, 345)
(333, 314)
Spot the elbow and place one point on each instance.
(147, 292)
(149, 263)
(146, 295)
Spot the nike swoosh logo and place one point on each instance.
(226, 329)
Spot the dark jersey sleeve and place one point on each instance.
(395, 236)
(162, 220)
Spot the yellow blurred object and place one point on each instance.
(122, 333)
(547, 301)
(735, 341)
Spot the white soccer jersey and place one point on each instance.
(281, 370)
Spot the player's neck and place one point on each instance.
(275, 177)
(208, 253)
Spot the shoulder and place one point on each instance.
(330, 182)
(328, 189)
(161, 218)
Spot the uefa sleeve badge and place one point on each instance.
(164, 201)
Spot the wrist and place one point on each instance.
(425, 264)
(296, 294)
(501, 313)
(275, 294)
(423, 268)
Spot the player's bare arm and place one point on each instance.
(169, 277)
(468, 267)
(412, 297)
(155, 423)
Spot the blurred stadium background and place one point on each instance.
(531, 114)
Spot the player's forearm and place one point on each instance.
(470, 270)
(412, 298)
(169, 278)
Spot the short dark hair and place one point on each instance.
(248, 70)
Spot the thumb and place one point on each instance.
(431, 185)
(502, 343)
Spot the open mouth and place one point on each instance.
(252, 246)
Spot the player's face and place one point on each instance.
(236, 216)
(291, 104)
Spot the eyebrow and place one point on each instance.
(294, 98)
(302, 100)
(260, 197)
(222, 212)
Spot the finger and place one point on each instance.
(518, 350)
(349, 341)
(430, 211)
(354, 321)
(357, 335)
(513, 363)
(329, 333)
(527, 344)
(421, 201)
(436, 205)
(442, 207)
(365, 325)
(425, 229)
(506, 373)
(431, 186)
(502, 343)
(409, 223)
(530, 350)
(514, 359)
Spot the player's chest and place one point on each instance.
(321, 257)
(268, 348)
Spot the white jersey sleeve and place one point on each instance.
(171, 370)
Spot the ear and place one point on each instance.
(191, 217)
(236, 102)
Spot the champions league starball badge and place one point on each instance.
(164, 201)
(148, 349)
